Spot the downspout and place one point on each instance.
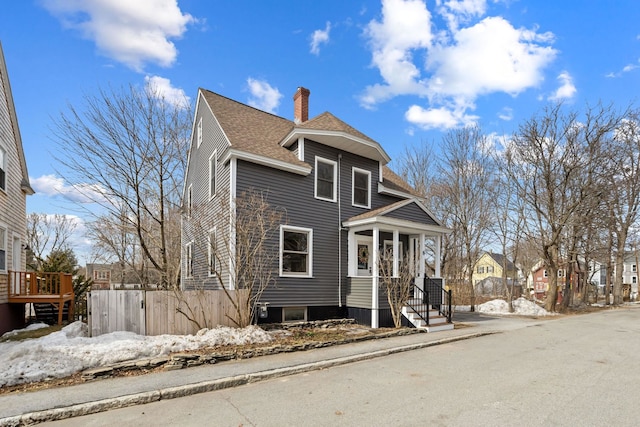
(339, 236)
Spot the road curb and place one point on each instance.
(87, 408)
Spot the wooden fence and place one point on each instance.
(158, 312)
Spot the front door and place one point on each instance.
(365, 263)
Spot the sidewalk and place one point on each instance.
(101, 395)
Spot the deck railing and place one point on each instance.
(32, 283)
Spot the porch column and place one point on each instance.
(422, 256)
(374, 279)
(351, 253)
(438, 240)
(396, 253)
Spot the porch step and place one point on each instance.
(436, 321)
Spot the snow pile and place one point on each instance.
(31, 327)
(521, 307)
(70, 350)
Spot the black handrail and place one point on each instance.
(432, 295)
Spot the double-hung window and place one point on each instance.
(296, 251)
(3, 248)
(213, 267)
(213, 164)
(326, 179)
(189, 259)
(199, 133)
(3, 169)
(189, 200)
(361, 194)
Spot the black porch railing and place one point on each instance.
(431, 296)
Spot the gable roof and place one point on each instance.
(255, 133)
(499, 259)
(395, 212)
(6, 87)
(251, 130)
(333, 132)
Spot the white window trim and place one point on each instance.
(4, 245)
(306, 314)
(188, 255)
(213, 191)
(335, 179)
(309, 232)
(211, 252)
(355, 170)
(199, 133)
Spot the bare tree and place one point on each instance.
(241, 257)
(48, 233)
(464, 182)
(624, 190)
(397, 287)
(126, 151)
(547, 160)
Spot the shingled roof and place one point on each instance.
(328, 122)
(257, 132)
(251, 130)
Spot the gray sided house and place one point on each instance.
(14, 188)
(342, 206)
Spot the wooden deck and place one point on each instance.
(40, 287)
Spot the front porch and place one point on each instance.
(401, 241)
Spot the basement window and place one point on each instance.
(294, 314)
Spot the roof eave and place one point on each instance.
(371, 149)
(232, 153)
(365, 223)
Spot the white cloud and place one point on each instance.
(438, 118)
(131, 32)
(506, 114)
(451, 67)
(566, 90)
(320, 37)
(162, 88)
(51, 185)
(263, 96)
(405, 27)
(456, 12)
(627, 68)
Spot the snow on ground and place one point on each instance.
(70, 350)
(521, 307)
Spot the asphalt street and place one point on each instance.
(570, 371)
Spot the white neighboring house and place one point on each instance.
(630, 272)
(14, 189)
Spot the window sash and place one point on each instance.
(3, 248)
(295, 252)
(213, 168)
(325, 179)
(213, 247)
(3, 169)
(189, 259)
(361, 188)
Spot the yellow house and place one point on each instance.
(490, 265)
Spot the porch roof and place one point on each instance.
(409, 215)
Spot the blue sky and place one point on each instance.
(401, 71)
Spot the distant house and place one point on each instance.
(100, 274)
(14, 188)
(343, 207)
(488, 275)
(540, 279)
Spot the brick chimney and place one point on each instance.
(301, 105)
